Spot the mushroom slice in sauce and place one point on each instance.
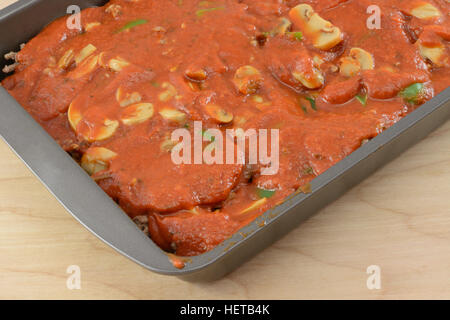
(137, 113)
(425, 10)
(255, 205)
(85, 68)
(66, 59)
(323, 34)
(435, 54)
(358, 59)
(84, 53)
(95, 129)
(169, 92)
(97, 159)
(125, 99)
(197, 74)
(248, 79)
(349, 67)
(173, 115)
(219, 114)
(364, 58)
(117, 64)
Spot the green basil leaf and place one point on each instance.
(362, 98)
(312, 101)
(201, 12)
(263, 193)
(413, 92)
(132, 24)
(296, 35)
(208, 136)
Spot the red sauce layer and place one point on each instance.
(112, 93)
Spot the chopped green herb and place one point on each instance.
(312, 101)
(305, 110)
(412, 93)
(362, 98)
(155, 84)
(132, 24)
(263, 193)
(201, 12)
(208, 136)
(296, 35)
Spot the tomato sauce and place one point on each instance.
(112, 93)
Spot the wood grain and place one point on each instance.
(5, 3)
(398, 219)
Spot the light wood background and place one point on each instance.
(398, 219)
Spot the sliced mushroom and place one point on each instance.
(102, 60)
(312, 80)
(125, 99)
(306, 72)
(349, 67)
(358, 59)
(97, 159)
(92, 131)
(137, 113)
(193, 86)
(74, 115)
(283, 26)
(248, 79)
(436, 54)
(169, 93)
(168, 144)
(197, 74)
(318, 60)
(48, 72)
(255, 205)
(219, 114)
(66, 59)
(426, 10)
(91, 25)
(323, 34)
(104, 132)
(159, 30)
(117, 64)
(364, 58)
(84, 53)
(86, 67)
(98, 132)
(257, 99)
(173, 115)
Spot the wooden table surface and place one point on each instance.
(398, 219)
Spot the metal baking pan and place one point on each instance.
(81, 196)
